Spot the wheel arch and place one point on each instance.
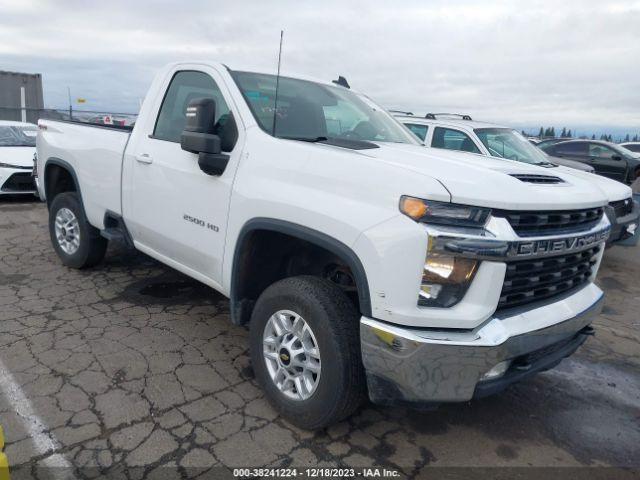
(55, 170)
(241, 306)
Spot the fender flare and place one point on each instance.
(67, 166)
(310, 235)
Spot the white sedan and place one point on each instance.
(17, 148)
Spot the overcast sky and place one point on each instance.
(533, 62)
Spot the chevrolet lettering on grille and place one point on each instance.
(541, 247)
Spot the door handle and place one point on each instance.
(144, 158)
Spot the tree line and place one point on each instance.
(550, 132)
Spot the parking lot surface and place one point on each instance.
(132, 364)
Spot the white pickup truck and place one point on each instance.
(360, 260)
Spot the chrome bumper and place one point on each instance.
(623, 227)
(408, 365)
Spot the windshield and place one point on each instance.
(316, 112)
(16, 136)
(509, 144)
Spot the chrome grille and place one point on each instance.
(528, 281)
(531, 224)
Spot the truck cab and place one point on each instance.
(361, 262)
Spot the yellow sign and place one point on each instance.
(4, 463)
(82, 100)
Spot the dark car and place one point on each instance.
(608, 159)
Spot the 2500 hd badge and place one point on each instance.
(200, 222)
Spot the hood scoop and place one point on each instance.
(537, 179)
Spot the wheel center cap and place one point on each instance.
(284, 356)
(64, 232)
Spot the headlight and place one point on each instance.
(445, 280)
(443, 213)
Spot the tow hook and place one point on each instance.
(522, 366)
(588, 331)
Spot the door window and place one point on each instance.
(451, 139)
(185, 87)
(418, 130)
(600, 151)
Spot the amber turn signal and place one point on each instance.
(413, 207)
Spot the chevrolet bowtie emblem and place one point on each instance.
(284, 357)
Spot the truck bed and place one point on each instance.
(126, 128)
(95, 153)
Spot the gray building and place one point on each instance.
(20, 96)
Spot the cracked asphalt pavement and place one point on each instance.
(132, 364)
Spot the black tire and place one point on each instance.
(92, 245)
(335, 324)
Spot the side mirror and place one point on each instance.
(198, 137)
(616, 157)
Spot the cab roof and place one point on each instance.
(283, 73)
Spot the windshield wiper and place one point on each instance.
(336, 142)
(306, 139)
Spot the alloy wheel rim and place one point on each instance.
(291, 355)
(67, 231)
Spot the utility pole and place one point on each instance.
(70, 106)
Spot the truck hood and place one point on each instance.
(613, 189)
(19, 156)
(486, 181)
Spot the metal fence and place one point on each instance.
(32, 115)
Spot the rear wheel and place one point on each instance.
(77, 243)
(305, 351)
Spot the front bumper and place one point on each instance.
(624, 227)
(16, 181)
(423, 366)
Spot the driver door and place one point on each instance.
(177, 213)
(607, 161)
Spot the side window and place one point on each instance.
(571, 148)
(185, 87)
(451, 139)
(418, 130)
(601, 151)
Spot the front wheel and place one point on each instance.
(77, 243)
(305, 351)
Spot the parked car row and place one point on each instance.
(462, 133)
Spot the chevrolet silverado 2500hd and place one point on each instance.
(360, 260)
